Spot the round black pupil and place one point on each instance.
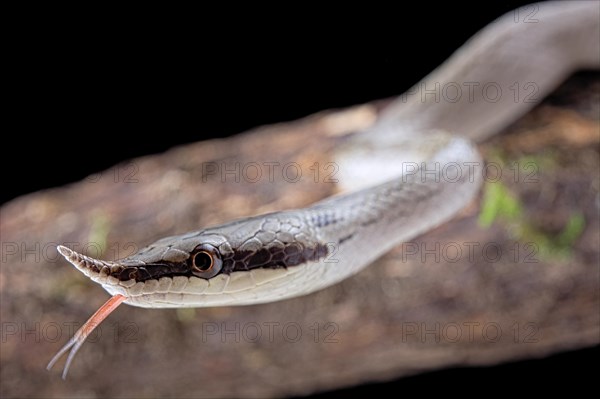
(203, 261)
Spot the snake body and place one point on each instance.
(291, 253)
(285, 254)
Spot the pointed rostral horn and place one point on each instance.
(97, 270)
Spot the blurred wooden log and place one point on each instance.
(421, 307)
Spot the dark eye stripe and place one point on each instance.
(274, 257)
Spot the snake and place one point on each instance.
(413, 169)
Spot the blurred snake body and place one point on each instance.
(414, 169)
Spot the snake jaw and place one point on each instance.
(97, 270)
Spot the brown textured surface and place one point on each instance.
(404, 314)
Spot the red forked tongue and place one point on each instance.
(80, 336)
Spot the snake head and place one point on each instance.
(154, 262)
(242, 262)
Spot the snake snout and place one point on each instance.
(98, 270)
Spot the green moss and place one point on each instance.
(498, 202)
(501, 206)
(186, 315)
(99, 230)
(572, 230)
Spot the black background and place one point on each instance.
(110, 85)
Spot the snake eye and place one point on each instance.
(205, 261)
